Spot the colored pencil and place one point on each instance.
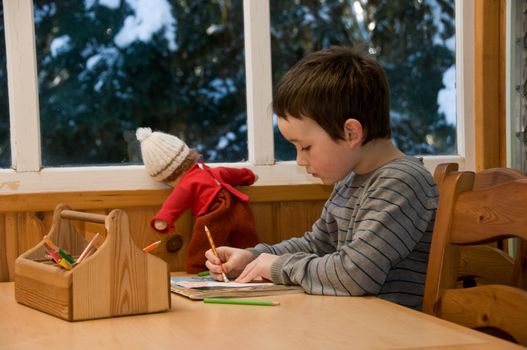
(213, 246)
(49, 244)
(66, 256)
(241, 301)
(151, 247)
(86, 250)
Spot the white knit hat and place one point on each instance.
(162, 153)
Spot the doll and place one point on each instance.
(208, 192)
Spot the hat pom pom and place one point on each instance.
(143, 133)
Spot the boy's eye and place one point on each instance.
(305, 148)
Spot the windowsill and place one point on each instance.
(134, 177)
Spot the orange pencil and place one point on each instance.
(49, 244)
(151, 247)
(213, 246)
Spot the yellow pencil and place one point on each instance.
(213, 246)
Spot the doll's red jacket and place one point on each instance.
(197, 189)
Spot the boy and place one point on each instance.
(374, 233)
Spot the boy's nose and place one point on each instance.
(301, 160)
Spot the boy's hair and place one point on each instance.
(188, 162)
(333, 85)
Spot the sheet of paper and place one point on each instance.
(207, 284)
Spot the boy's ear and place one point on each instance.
(353, 132)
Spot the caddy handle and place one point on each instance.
(81, 216)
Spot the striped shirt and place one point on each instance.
(373, 237)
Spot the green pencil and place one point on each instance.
(241, 302)
(66, 256)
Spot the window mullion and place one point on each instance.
(259, 82)
(22, 85)
(465, 83)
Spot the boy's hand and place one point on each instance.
(259, 269)
(233, 261)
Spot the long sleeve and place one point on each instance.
(235, 176)
(372, 238)
(180, 199)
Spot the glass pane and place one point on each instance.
(5, 149)
(413, 40)
(518, 77)
(106, 67)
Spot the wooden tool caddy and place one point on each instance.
(118, 279)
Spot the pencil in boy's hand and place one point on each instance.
(213, 247)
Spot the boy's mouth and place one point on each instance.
(311, 173)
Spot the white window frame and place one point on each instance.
(28, 176)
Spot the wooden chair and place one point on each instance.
(487, 264)
(473, 212)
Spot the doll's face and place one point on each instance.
(174, 183)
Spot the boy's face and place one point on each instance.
(322, 157)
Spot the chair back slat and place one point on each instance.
(487, 306)
(494, 213)
(485, 264)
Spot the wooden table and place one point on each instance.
(300, 322)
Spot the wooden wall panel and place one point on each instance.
(293, 219)
(142, 198)
(4, 269)
(11, 242)
(46, 218)
(278, 214)
(34, 229)
(265, 223)
(92, 200)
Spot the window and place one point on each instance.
(108, 67)
(414, 42)
(203, 71)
